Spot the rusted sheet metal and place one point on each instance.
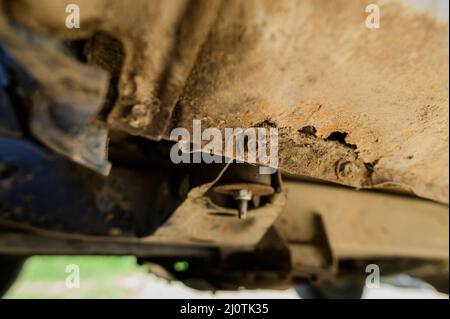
(357, 225)
(148, 205)
(312, 68)
(161, 40)
(199, 221)
(361, 107)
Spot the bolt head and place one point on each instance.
(243, 194)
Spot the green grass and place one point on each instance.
(44, 277)
(53, 268)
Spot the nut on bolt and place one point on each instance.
(242, 197)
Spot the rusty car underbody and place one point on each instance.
(362, 115)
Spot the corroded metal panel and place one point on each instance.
(357, 106)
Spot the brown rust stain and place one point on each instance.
(297, 64)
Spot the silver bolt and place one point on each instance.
(243, 196)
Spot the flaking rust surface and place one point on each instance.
(310, 68)
(300, 64)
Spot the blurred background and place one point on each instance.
(121, 277)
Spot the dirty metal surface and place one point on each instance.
(365, 224)
(145, 205)
(68, 96)
(199, 221)
(26, 244)
(43, 190)
(9, 125)
(360, 107)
